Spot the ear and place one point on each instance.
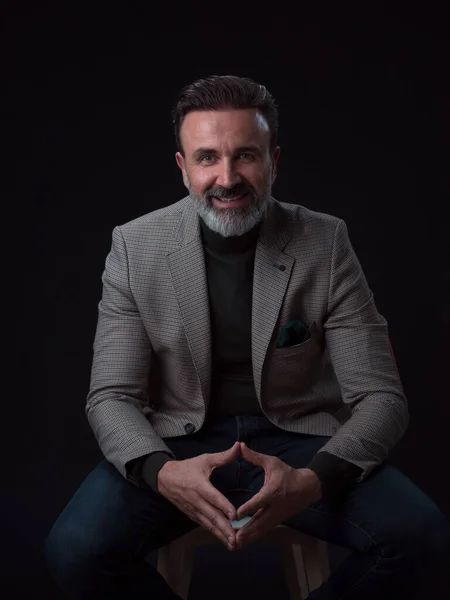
(180, 162)
(275, 157)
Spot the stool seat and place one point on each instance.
(305, 559)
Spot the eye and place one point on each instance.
(202, 158)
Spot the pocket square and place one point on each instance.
(292, 333)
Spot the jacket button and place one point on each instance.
(189, 428)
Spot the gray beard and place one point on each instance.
(231, 221)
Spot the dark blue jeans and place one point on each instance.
(399, 537)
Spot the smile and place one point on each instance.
(227, 202)
(230, 199)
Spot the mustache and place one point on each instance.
(229, 193)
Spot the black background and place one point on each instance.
(364, 130)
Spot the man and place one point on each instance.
(241, 368)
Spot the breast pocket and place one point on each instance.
(309, 347)
(292, 370)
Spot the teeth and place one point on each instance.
(230, 199)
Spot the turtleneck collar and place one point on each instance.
(236, 244)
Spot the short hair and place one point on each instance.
(224, 92)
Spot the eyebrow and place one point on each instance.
(249, 148)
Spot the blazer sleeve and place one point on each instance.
(357, 339)
(118, 395)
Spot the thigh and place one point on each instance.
(384, 512)
(108, 515)
(111, 516)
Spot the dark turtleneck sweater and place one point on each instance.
(229, 267)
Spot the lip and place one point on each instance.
(235, 203)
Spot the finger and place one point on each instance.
(254, 529)
(256, 458)
(256, 522)
(213, 497)
(258, 501)
(218, 459)
(199, 512)
(213, 521)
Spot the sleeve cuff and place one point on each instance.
(335, 473)
(143, 471)
(151, 467)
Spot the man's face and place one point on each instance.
(227, 156)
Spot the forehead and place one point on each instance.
(202, 128)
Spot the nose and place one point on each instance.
(227, 176)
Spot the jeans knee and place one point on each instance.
(432, 535)
(54, 553)
(65, 555)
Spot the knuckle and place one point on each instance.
(194, 516)
(212, 526)
(214, 519)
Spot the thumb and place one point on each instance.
(256, 458)
(218, 459)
